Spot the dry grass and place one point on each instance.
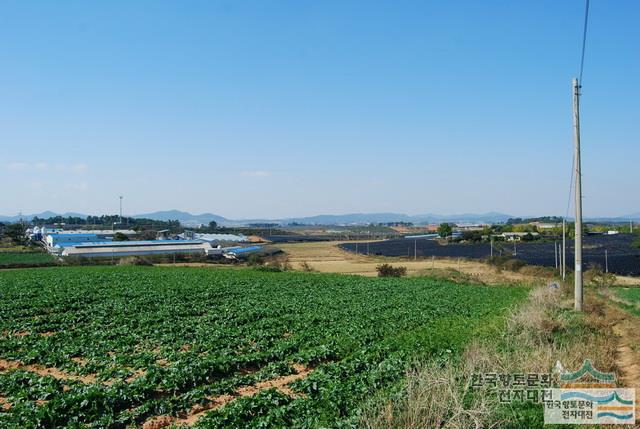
(433, 398)
(327, 257)
(537, 334)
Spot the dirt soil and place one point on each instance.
(6, 365)
(625, 328)
(5, 405)
(194, 414)
(327, 257)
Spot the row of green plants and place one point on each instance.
(193, 333)
(25, 259)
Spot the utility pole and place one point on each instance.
(120, 209)
(555, 249)
(606, 261)
(631, 226)
(415, 249)
(564, 249)
(491, 240)
(578, 292)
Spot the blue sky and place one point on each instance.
(292, 108)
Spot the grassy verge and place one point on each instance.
(534, 337)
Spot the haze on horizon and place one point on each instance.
(256, 110)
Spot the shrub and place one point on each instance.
(507, 263)
(254, 260)
(118, 236)
(275, 265)
(596, 277)
(514, 264)
(306, 267)
(134, 260)
(387, 270)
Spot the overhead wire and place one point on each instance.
(584, 45)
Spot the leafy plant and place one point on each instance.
(159, 340)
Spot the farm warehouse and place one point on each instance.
(116, 347)
(135, 248)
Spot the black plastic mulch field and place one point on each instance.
(623, 258)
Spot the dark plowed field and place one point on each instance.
(623, 258)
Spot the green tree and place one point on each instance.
(444, 230)
(17, 233)
(213, 225)
(118, 236)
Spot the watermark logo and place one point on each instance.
(588, 396)
(581, 377)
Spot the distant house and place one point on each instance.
(543, 225)
(163, 234)
(517, 236)
(471, 226)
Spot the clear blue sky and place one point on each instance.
(291, 108)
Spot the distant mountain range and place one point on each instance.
(345, 219)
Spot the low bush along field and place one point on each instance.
(129, 346)
(24, 258)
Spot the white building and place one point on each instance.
(136, 248)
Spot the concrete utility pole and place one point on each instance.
(415, 249)
(491, 240)
(120, 209)
(578, 292)
(606, 261)
(564, 249)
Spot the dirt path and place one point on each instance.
(625, 328)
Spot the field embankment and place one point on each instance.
(539, 335)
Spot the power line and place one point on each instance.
(584, 44)
(566, 215)
(584, 38)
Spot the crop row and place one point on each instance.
(21, 259)
(155, 341)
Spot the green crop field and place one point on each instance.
(24, 258)
(214, 348)
(631, 298)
